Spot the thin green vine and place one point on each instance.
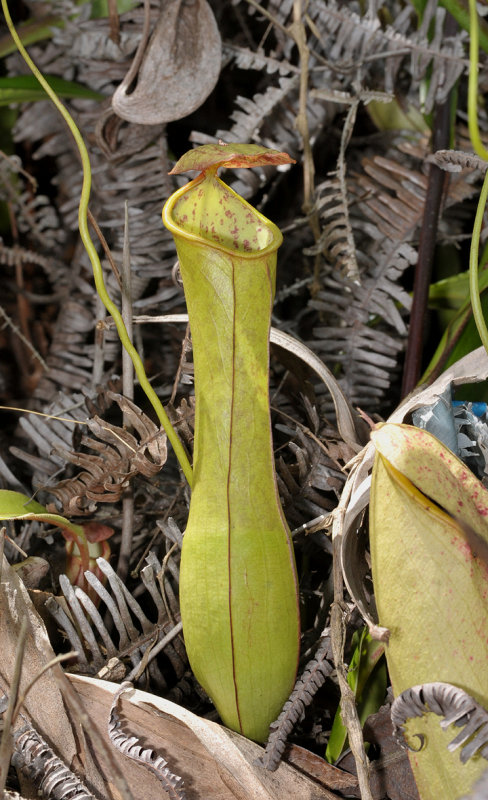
(474, 132)
(474, 268)
(94, 258)
(480, 150)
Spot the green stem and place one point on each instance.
(474, 131)
(441, 136)
(473, 266)
(483, 153)
(95, 260)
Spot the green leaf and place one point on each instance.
(367, 678)
(392, 117)
(238, 584)
(460, 336)
(15, 505)
(26, 88)
(450, 292)
(30, 32)
(212, 156)
(430, 588)
(100, 7)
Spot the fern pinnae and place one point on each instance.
(112, 607)
(119, 456)
(80, 618)
(96, 619)
(310, 681)
(85, 628)
(147, 577)
(129, 746)
(248, 59)
(455, 705)
(351, 39)
(457, 160)
(337, 237)
(66, 625)
(38, 762)
(125, 601)
(249, 118)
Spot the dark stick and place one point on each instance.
(423, 271)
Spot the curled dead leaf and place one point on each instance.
(177, 71)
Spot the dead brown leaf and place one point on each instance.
(391, 775)
(44, 703)
(213, 761)
(178, 70)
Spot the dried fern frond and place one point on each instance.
(336, 238)
(351, 41)
(311, 485)
(39, 763)
(253, 113)
(38, 218)
(70, 357)
(452, 703)
(34, 213)
(367, 355)
(247, 59)
(120, 456)
(10, 256)
(129, 746)
(457, 160)
(138, 637)
(310, 681)
(44, 434)
(365, 326)
(134, 169)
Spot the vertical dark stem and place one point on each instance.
(423, 271)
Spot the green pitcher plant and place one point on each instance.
(238, 582)
(431, 588)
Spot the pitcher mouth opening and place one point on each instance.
(210, 212)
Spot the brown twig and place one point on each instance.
(114, 21)
(185, 348)
(6, 742)
(98, 354)
(75, 704)
(337, 633)
(106, 248)
(297, 30)
(128, 391)
(423, 271)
